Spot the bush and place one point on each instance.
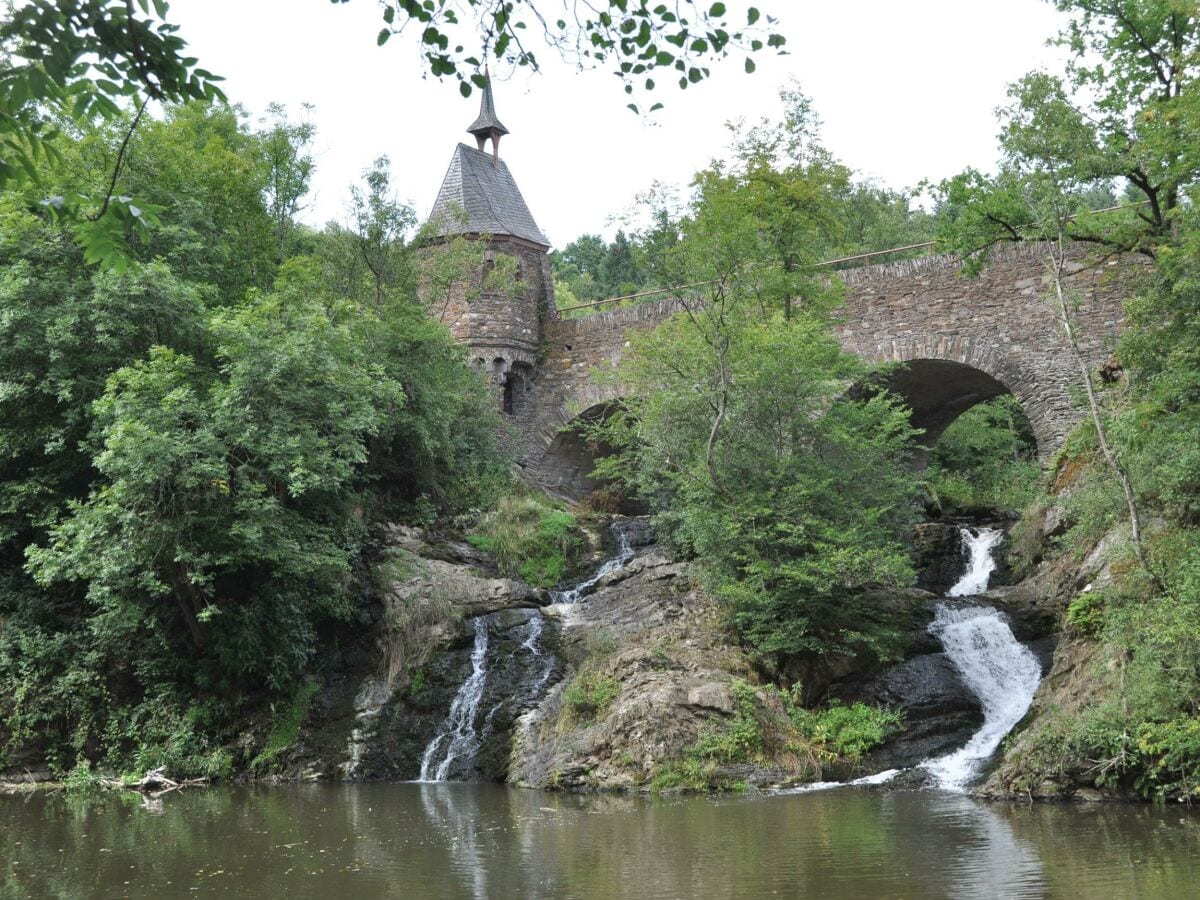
(848, 731)
(287, 726)
(769, 728)
(530, 539)
(1086, 613)
(986, 459)
(589, 694)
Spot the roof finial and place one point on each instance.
(486, 125)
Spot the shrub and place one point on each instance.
(530, 539)
(589, 694)
(847, 731)
(287, 727)
(1086, 613)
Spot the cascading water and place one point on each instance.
(457, 736)
(623, 533)
(999, 670)
(533, 645)
(980, 564)
(622, 530)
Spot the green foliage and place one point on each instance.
(986, 459)
(530, 538)
(83, 779)
(589, 694)
(287, 170)
(847, 732)
(637, 39)
(591, 270)
(286, 727)
(821, 498)
(1127, 109)
(1086, 613)
(75, 63)
(191, 453)
(739, 740)
(744, 437)
(768, 728)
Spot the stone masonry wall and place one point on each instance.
(999, 322)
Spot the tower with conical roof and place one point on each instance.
(501, 323)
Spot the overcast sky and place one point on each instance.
(906, 90)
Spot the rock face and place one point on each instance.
(1082, 672)
(940, 711)
(650, 638)
(938, 556)
(603, 693)
(381, 707)
(411, 717)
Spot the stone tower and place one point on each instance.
(502, 324)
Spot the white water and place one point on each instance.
(457, 737)
(624, 555)
(533, 645)
(1001, 672)
(980, 565)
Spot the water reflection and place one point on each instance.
(475, 841)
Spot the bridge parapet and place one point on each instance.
(966, 339)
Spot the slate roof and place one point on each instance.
(487, 122)
(485, 191)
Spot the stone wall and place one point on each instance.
(1000, 323)
(992, 332)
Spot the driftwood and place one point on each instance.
(155, 783)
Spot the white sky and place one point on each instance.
(906, 90)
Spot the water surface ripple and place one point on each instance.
(465, 840)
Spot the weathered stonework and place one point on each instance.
(964, 340)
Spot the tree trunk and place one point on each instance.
(1057, 265)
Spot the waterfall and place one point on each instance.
(533, 645)
(980, 563)
(623, 531)
(1001, 672)
(457, 736)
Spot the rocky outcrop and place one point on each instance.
(938, 556)
(411, 716)
(649, 649)
(383, 703)
(453, 573)
(1082, 672)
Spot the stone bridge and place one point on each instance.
(963, 340)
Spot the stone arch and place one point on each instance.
(564, 458)
(941, 377)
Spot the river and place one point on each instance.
(477, 840)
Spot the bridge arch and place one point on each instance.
(565, 456)
(941, 377)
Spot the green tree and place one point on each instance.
(381, 224)
(288, 168)
(75, 61)
(1127, 110)
(743, 438)
(636, 38)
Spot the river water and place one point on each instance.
(470, 840)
